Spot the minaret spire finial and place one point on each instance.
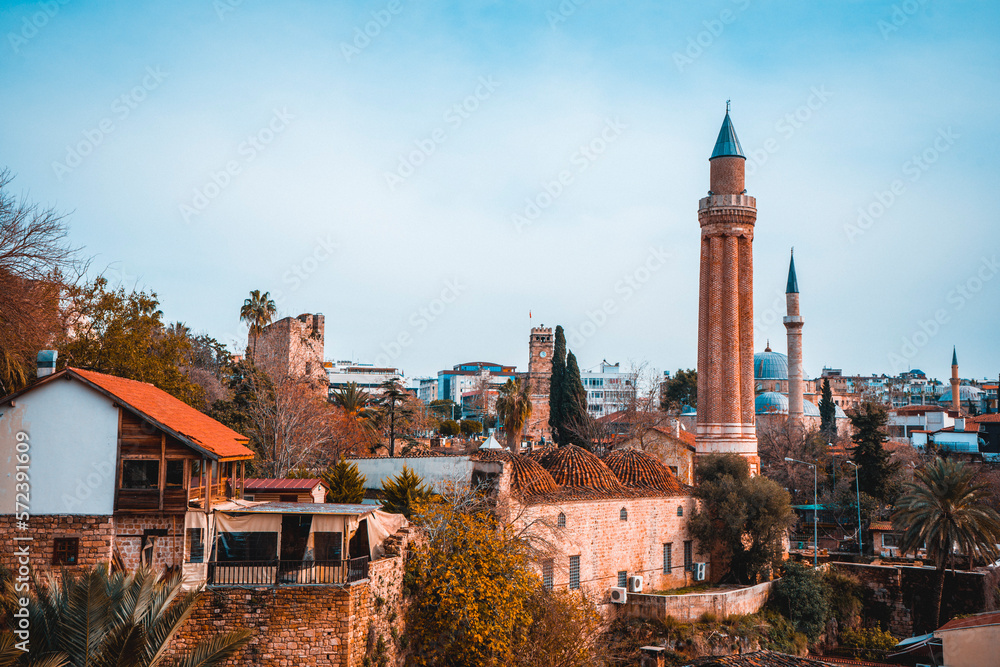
(727, 106)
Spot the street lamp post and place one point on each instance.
(857, 488)
(815, 509)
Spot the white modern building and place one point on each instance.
(366, 376)
(608, 389)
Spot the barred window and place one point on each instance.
(688, 555)
(622, 578)
(547, 578)
(623, 515)
(680, 510)
(574, 572)
(668, 557)
(65, 550)
(561, 520)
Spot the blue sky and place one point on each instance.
(206, 149)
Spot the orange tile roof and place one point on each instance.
(172, 414)
(270, 484)
(880, 525)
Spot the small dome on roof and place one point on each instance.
(574, 466)
(771, 402)
(635, 468)
(528, 478)
(688, 410)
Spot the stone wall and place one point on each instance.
(309, 626)
(690, 607)
(167, 550)
(902, 598)
(294, 347)
(606, 544)
(95, 534)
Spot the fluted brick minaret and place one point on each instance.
(956, 399)
(793, 327)
(725, 317)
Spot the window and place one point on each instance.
(247, 546)
(622, 578)
(196, 545)
(288, 498)
(561, 520)
(64, 550)
(547, 568)
(668, 557)
(574, 573)
(688, 555)
(175, 473)
(140, 474)
(890, 540)
(623, 515)
(328, 546)
(680, 510)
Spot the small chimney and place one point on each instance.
(960, 423)
(47, 362)
(676, 428)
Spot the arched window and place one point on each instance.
(561, 520)
(623, 515)
(680, 510)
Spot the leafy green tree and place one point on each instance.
(471, 582)
(875, 466)
(680, 390)
(404, 492)
(556, 390)
(828, 412)
(444, 408)
(742, 518)
(122, 333)
(801, 595)
(514, 410)
(470, 427)
(945, 508)
(449, 427)
(113, 618)
(344, 483)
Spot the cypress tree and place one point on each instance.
(574, 400)
(556, 384)
(828, 412)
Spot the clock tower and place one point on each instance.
(540, 347)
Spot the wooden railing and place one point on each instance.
(287, 573)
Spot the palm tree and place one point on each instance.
(514, 409)
(392, 403)
(257, 312)
(113, 618)
(352, 398)
(945, 509)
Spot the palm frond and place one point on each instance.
(215, 650)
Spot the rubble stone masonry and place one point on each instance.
(95, 535)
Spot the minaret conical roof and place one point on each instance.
(793, 283)
(954, 356)
(727, 145)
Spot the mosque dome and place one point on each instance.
(768, 365)
(528, 478)
(574, 466)
(965, 393)
(771, 402)
(639, 469)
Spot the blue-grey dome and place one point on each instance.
(688, 410)
(839, 412)
(965, 393)
(768, 365)
(771, 402)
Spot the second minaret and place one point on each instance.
(793, 327)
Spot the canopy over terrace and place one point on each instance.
(273, 543)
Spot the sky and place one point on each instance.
(428, 174)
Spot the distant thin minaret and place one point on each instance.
(793, 327)
(956, 400)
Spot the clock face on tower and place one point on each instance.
(542, 353)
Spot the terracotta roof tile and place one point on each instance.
(172, 413)
(574, 466)
(758, 659)
(880, 525)
(639, 469)
(989, 618)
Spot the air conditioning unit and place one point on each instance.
(635, 584)
(618, 595)
(699, 571)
